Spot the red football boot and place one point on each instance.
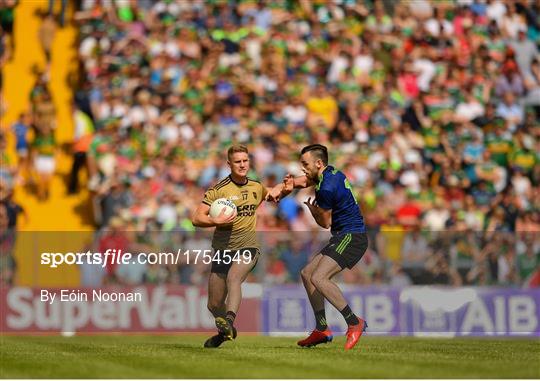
(354, 332)
(317, 337)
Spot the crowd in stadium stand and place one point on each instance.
(10, 211)
(10, 214)
(432, 109)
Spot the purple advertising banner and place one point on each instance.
(470, 311)
(416, 311)
(286, 310)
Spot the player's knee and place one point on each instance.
(233, 281)
(317, 280)
(305, 274)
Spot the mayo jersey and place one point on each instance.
(247, 197)
(334, 192)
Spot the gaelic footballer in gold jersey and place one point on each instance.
(234, 240)
(247, 197)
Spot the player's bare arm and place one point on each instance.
(300, 181)
(323, 217)
(286, 187)
(202, 219)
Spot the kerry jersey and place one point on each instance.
(247, 198)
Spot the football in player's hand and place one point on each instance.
(220, 204)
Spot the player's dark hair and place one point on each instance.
(318, 150)
(236, 148)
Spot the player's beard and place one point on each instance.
(313, 176)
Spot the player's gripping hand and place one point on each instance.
(281, 190)
(223, 219)
(273, 195)
(288, 183)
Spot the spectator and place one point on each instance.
(63, 5)
(46, 36)
(7, 243)
(43, 110)
(276, 272)
(5, 55)
(8, 170)
(528, 256)
(525, 51)
(464, 250)
(21, 130)
(441, 272)
(295, 255)
(532, 84)
(469, 110)
(43, 153)
(435, 219)
(92, 274)
(409, 213)
(398, 277)
(512, 22)
(84, 129)
(506, 268)
(7, 19)
(115, 197)
(322, 108)
(132, 273)
(115, 239)
(415, 251)
(390, 239)
(510, 81)
(510, 111)
(13, 209)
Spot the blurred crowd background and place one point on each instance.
(431, 108)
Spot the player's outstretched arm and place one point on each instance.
(202, 219)
(286, 187)
(299, 182)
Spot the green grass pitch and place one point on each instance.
(182, 356)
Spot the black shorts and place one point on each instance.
(346, 249)
(222, 260)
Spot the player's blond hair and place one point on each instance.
(236, 148)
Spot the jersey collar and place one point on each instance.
(321, 176)
(239, 184)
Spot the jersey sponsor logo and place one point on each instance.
(234, 198)
(246, 210)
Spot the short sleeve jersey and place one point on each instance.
(247, 198)
(335, 192)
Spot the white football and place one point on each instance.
(218, 205)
